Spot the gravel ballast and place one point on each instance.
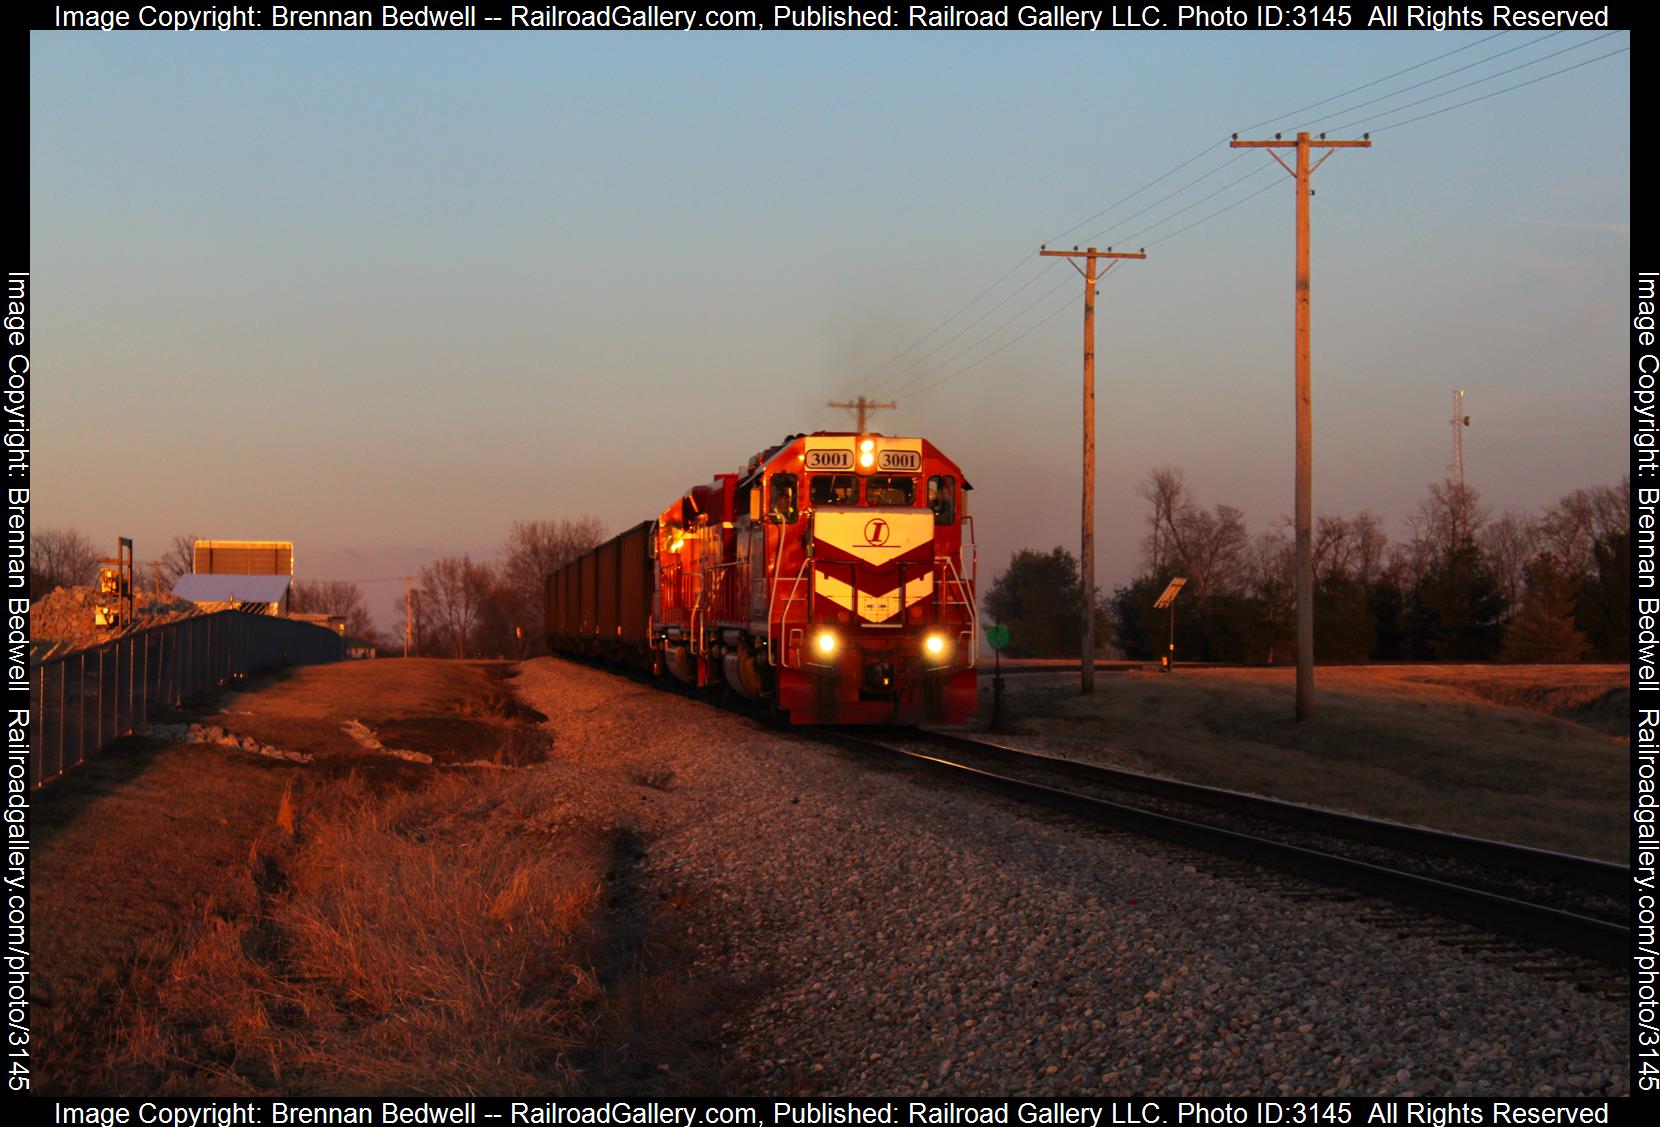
(891, 935)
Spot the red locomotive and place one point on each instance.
(832, 577)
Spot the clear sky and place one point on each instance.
(383, 294)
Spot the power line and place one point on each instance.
(956, 335)
(960, 311)
(1269, 121)
(1056, 312)
(896, 357)
(377, 579)
(1496, 93)
(1138, 191)
(1434, 79)
(1367, 85)
(912, 383)
(1135, 235)
(1005, 324)
(945, 378)
(1097, 234)
(1244, 199)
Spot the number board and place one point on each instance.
(829, 460)
(904, 461)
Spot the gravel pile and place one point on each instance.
(898, 936)
(65, 614)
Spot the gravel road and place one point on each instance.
(894, 936)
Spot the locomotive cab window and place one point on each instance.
(942, 498)
(781, 507)
(834, 489)
(890, 490)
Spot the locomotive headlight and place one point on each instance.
(867, 446)
(935, 645)
(867, 459)
(825, 643)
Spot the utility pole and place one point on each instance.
(862, 406)
(408, 609)
(1304, 515)
(1086, 564)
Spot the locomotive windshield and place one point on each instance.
(892, 489)
(835, 489)
(781, 498)
(942, 498)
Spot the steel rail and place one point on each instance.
(1583, 872)
(1598, 939)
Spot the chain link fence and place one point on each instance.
(82, 700)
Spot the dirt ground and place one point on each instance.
(438, 894)
(416, 908)
(1533, 754)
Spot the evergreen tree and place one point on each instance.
(1344, 629)
(1387, 604)
(1040, 599)
(1457, 610)
(1604, 610)
(1543, 628)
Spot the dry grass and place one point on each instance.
(301, 931)
(657, 778)
(1424, 744)
(396, 947)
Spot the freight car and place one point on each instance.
(833, 576)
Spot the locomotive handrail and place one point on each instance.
(973, 613)
(772, 601)
(795, 585)
(718, 590)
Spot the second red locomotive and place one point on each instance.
(834, 576)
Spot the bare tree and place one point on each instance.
(533, 550)
(1510, 542)
(1371, 546)
(1210, 548)
(423, 638)
(452, 591)
(1570, 528)
(1333, 547)
(334, 597)
(179, 559)
(60, 557)
(1408, 563)
(1165, 489)
(1349, 547)
(1450, 518)
(1272, 567)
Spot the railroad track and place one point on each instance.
(1569, 903)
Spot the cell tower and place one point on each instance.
(1459, 421)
